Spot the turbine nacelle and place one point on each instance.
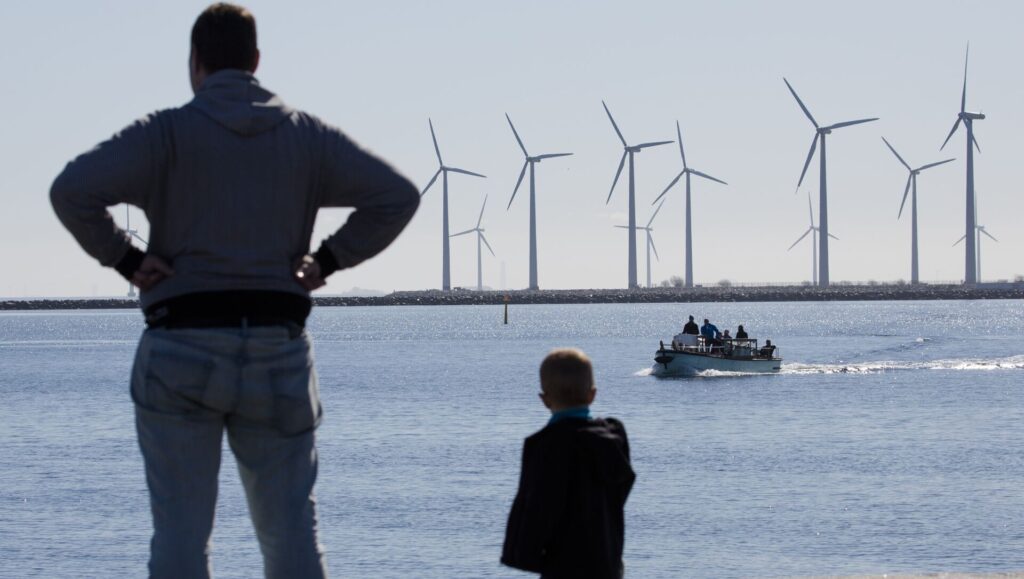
(972, 116)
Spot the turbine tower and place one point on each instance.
(689, 230)
(134, 234)
(650, 241)
(530, 162)
(813, 231)
(978, 230)
(443, 170)
(912, 186)
(479, 255)
(819, 134)
(968, 118)
(629, 150)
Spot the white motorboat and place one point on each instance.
(691, 355)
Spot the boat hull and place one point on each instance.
(686, 363)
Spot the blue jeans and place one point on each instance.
(189, 386)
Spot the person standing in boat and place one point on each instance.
(691, 328)
(710, 334)
(741, 334)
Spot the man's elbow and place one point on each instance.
(62, 191)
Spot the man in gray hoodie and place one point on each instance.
(231, 184)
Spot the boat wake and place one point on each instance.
(971, 364)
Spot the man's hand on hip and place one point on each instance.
(152, 271)
(308, 273)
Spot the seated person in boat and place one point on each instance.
(710, 334)
(768, 350)
(741, 334)
(691, 328)
(567, 517)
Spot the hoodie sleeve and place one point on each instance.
(384, 202)
(119, 170)
(539, 506)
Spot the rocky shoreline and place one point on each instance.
(1002, 291)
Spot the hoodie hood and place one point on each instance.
(236, 101)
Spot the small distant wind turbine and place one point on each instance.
(650, 241)
(134, 234)
(479, 238)
(819, 134)
(443, 169)
(978, 230)
(912, 186)
(530, 162)
(689, 230)
(629, 150)
(813, 231)
(968, 118)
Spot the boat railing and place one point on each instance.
(732, 347)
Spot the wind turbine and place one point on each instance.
(530, 162)
(819, 134)
(134, 234)
(978, 230)
(912, 186)
(650, 241)
(444, 170)
(629, 150)
(689, 230)
(968, 118)
(813, 231)
(479, 238)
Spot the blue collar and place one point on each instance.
(576, 412)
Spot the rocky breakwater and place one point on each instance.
(836, 292)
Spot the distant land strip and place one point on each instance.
(994, 291)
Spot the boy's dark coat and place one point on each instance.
(567, 518)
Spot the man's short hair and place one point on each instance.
(224, 36)
(567, 376)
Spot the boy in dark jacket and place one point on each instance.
(567, 518)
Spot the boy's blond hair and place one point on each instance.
(567, 376)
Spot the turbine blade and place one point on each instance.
(462, 233)
(810, 209)
(432, 179)
(616, 180)
(484, 239)
(906, 191)
(654, 144)
(810, 154)
(552, 156)
(982, 229)
(650, 239)
(649, 222)
(801, 238)
(706, 176)
(614, 126)
(963, 95)
(930, 165)
(850, 123)
(622, 226)
(897, 155)
(682, 153)
(518, 183)
(956, 125)
(670, 185)
(801, 103)
(975, 141)
(465, 172)
(434, 138)
(959, 240)
(481, 218)
(833, 237)
(518, 140)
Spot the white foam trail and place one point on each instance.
(972, 364)
(644, 372)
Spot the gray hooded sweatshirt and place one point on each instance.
(231, 184)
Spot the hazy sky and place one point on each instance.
(76, 72)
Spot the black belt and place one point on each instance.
(237, 309)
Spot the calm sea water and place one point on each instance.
(890, 442)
